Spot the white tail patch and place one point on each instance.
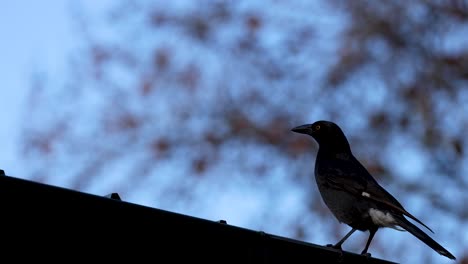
(384, 219)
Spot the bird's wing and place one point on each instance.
(336, 179)
(359, 182)
(376, 193)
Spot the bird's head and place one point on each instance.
(327, 134)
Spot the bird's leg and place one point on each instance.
(338, 245)
(372, 232)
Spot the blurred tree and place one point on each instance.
(187, 106)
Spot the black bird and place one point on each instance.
(352, 194)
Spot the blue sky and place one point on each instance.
(34, 35)
(39, 35)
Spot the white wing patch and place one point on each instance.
(384, 219)
(365, 194)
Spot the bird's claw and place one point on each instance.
(366, 254)
(340, 251)
(334, 246)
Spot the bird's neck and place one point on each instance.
(339, 150)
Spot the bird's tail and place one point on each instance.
(408, 226)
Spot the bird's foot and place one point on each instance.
(366, 254)
(340, 251)
(334, 246)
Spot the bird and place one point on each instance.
(351, 192)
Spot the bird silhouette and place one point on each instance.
(352, 194)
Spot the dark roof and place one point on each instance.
(46, 221)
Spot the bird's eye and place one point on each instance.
(317, 127)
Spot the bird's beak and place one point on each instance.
(304, 129)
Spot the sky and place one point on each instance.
(34, 34)
(39, 35)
